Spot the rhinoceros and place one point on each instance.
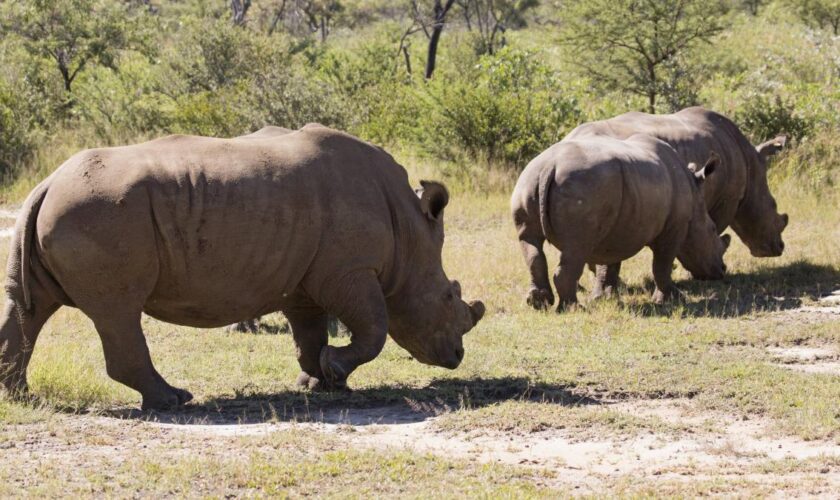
(600, 200)
(737, 196)
(205, 232)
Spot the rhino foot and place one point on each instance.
(672, 294)
(15, 387)
(167, 400)
(335, 375)
(569, 307)
(540, 299)
(307, 381)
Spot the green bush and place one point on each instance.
(507, 109)
(762, 118)
(15, 143)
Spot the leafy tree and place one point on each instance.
(626, 43)
(821, 13)
(75, 34)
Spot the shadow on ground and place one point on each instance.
(770, 289)
(379, 405)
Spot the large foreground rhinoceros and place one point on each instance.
(737, 196)
(206, 232)
(600, 200)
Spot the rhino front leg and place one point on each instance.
(310, 331)
(358, 302)
(539, 295)
(663, 262)
(606, 280)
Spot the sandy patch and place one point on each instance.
(807, 359)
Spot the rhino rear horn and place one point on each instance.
(433, 199)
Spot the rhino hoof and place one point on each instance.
(167, 400)
(335, 376)
(565, 306)
(540, 299)
(307, 381)
(672, 294)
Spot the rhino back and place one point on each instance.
(693, 132)
(228, 228)
(612, 195)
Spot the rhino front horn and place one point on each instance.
(476, 311)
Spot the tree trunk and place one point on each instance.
(240, 9)
(437, 29)
(407, 59)
(651, 88)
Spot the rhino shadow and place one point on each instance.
(770, 289)
(378, 405)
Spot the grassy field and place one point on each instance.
(704, 397)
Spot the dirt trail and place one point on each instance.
(730, 439)
(716, 445)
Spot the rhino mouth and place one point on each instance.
(443, 354)
(774, 250)
(717, 274)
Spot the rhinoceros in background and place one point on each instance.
(601, 200)
(253, 325)
(206, 232)
(738, 194)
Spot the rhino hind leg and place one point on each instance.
(127, 360)
(566, 278)
(310, 332)
(19, 331)
(539, 296)
(606, 281)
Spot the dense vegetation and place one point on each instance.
(509, 77)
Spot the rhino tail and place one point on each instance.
(25, 234)
(546, 181)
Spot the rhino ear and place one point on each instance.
(767, 149)
(433, 199)
(708, 169)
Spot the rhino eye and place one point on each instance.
(449, 296)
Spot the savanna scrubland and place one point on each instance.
(733, 391)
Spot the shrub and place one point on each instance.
(762, 118)
(15, 143)
(507, 109)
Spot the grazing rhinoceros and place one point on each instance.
(601, 200)
(206, 232)
(736, 196)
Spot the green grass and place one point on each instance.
(287, 463)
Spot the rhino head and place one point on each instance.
(428, 317)
(758, 223)
(703, 249)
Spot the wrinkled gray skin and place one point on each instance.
(253, 325)
(737, 196)
(601, 200)
(206, 232)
